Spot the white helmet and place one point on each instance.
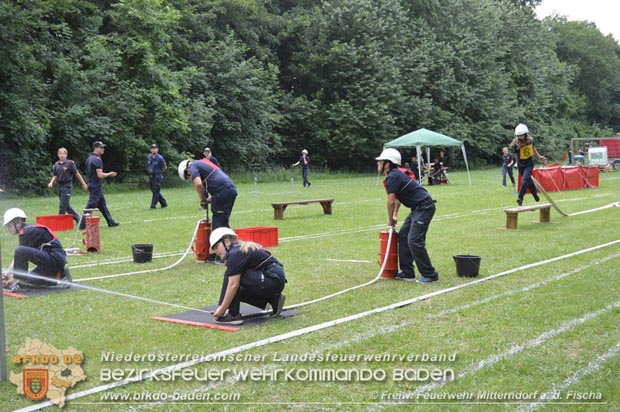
(218, 234)
(183, 166)
(12, 214)
(390, 154)
(521, 129)
(304, 151)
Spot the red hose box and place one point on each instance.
(267, 236)
(56, 222)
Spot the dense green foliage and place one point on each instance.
(260, 80)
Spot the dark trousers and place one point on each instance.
(222, 204)
(305, 172)
(412, 241)
(48, 264)
(97, 200)
(507, 171)
(64, 195)
(155, 184)
(526, 181)
(257, 288)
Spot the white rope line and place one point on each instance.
(356, 339)
(68, 284)
(189, 248)
(306, 330)
(392, 230)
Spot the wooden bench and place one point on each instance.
(512, 214)
(280, 207)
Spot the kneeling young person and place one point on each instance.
(39, 245)
(253, 276)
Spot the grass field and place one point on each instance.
(542, 335)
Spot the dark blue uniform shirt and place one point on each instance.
(216, 180)
(409, 192)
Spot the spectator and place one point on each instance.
(156, 167)
(304, 160)
(207, 154)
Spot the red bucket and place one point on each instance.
(391, 266)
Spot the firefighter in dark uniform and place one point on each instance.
(252, 276)
(63, 172)
(39, 245)
(401, 188)
(524, 149)
(156, 167)
(220, 190)
(94, 177)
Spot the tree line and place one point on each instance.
(259, 80)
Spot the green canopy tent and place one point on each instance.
(425, 137)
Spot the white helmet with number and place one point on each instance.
(390, 154)
(12, 214)
(218, 234)
(182, 169)
(521, 129)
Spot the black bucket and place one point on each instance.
(467, 265)
(142, 253)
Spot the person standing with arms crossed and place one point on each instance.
(304, 160)
(401, 188)
(156, 167)
(95, 176)
(525, 151)
(63, 172)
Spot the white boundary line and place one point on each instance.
(310, 329)
(393, 328)
(532, 343)
(591, 368)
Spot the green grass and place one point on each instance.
(530, 331)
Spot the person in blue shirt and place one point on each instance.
(94, 177)
(213, 186)
(206, 152)
(253, 275)
(156, 167)
(403, 189)
(304, 160)
(63, 173)
(39, 245)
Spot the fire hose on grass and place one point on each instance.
(556, 207)
(391, 231)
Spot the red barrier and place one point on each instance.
(555, 179)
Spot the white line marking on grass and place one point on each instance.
(532, 343)
(593, 366)
(306, 330)
(393, 328)
(347, 260)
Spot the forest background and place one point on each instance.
(259, 80)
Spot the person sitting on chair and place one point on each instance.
(39, 245)
(253, 275)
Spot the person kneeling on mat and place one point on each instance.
(39, 245)
(252, 276)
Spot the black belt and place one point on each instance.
(425, 202)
